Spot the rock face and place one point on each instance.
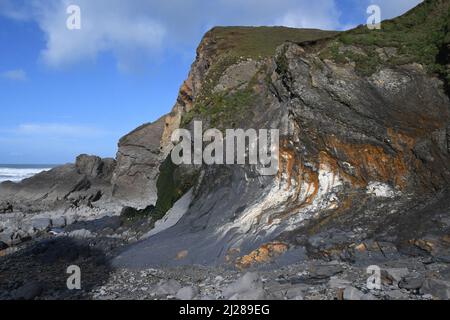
(364, 155)
(365, 128)
(138, 160)
(95, 167)
(128, 180)
(83, 183)
(363, 179)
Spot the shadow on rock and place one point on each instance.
(40, 271)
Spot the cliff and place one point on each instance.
(364, 116)
(138, 158)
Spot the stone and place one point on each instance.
(325, 271)
(248, 287)
(3, 246)
(59, 222)
(6, 208)
(93, 166)
(337, 283)
(351, 293)
(397, 295)
(411, 283)
(28, 291)
(41, 224)
(187, 293)
(63, 187)
(19, 236)
(296, 293)
(167, 287)
(439, 289)
(71, 219)
(6, 236)
(138, 160)
(397, 273)
(81, 234)
(56, 231)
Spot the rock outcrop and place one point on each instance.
(81, 184)
(138, 160)
(364, 121)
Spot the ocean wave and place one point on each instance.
(19, 174)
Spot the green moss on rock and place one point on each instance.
(421, 35)
(173, 182)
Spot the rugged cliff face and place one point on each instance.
(83, 184)
(138, 159)
(364, 118)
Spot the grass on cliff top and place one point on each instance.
(260, 42)
(421, 35)
(231, 45)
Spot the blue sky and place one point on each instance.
(65, 92)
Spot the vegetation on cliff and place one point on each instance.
(230, 46)
(421, 36)
(172, 184)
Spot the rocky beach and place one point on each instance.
(363, 180)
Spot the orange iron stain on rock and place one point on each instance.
(263, 254)
(182, 254)
(370, 163)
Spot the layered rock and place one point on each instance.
(365, 129)
(364, 151)
(138, 160)
(83, 183)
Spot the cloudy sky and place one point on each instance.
(65, 92)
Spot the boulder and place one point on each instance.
(296, 292)
(138, 160)
(41, 224)
(411, 282)
(397, 295)
(337, 283)
(18, 237)
(94, 167)
(3, 246)
(28, 291)
(81, 234)
(397, 274)
(351, 293)
(167, 287)
(6, 236)
(439, 289)
(187, 293)
(59, 222)
(70, 185)
(324, 271)
(6, 208)
(248, 287)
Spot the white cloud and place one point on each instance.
(15, 75)
(320, 14)
(57, 130)
(107, 26)
(139, 30)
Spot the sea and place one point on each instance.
(18, 172)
